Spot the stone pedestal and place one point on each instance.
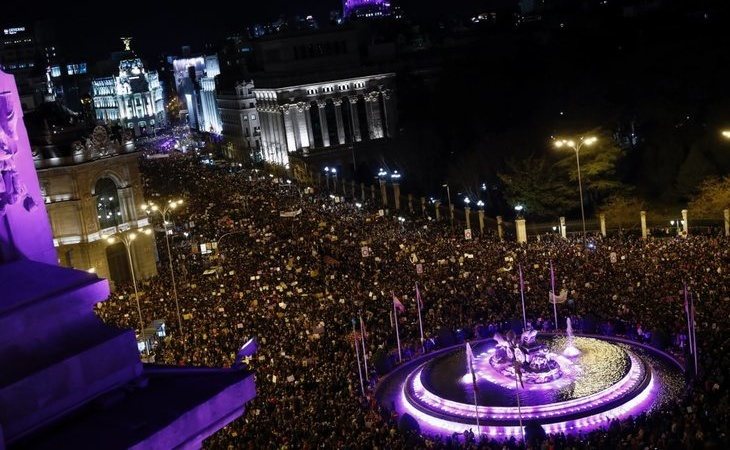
(383, 194)
(451, 213)
(362, 191)
(602, 219)
(685, 223)
(372, 192)
(521, 230)
(563, 229)
(481, 221)
(726, 215)
(500, 228)
(410, 203)
(437, 207)
(643, 225)
(423, 206)
(467, 213)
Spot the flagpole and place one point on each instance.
(420, 321)
(694, 329)
(364, 353)
(522, 294)
(397, 333)
(689, 321)
(357, 355)
(552, 288)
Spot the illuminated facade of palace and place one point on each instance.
(133, 98)
(325, 114)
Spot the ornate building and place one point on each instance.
(133, 98)
(195, 83)
(325, 114)
(92, 190)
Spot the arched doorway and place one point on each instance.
(108, 211)
(118, 262)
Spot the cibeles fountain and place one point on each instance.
(563, 382)
(66, 379)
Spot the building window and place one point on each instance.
(253, 116)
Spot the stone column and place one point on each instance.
(521, 230)
(467, 213)
(423, 206)
(390, 113)
(338, 120)
(685, 223)
(372, 108)
(643, 224)
(321, 104)
(355, 119)
(410, 203)
(396, 195)
(301, 125)
(726, 214)
(563, 230)
(308, 121)
(500, 228)
(383, 194)
(602, 218)
(362, 191)
(481, 222)
(291, 144)
(437, 205)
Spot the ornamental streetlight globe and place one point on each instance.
(480, 204)
(467, 201)
(726, 134)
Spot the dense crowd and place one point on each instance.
(296, 283)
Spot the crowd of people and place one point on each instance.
(296, 281)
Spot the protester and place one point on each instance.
(296, 282)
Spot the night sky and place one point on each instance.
(91, 29)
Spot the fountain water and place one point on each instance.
(570, 349)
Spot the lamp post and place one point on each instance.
(164, 214)
(126, 238)
(382, 175)
(467, 212)
(395, 179)
(451, 207)
(576, 146)
(480, 205)
(520, 226)
(327, 176)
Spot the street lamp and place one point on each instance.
(448, 196)
(725, 134)
(519, 209)
(164, 214)
(576, 146)
(126, 238)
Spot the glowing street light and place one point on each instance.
(480, 204)
(395, 175)
(467, 201)
(382, 173)
(576, 146)
(725, 134)
(126, 238)
(164, 213)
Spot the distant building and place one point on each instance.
(325, 113)
(369, 9)
(26, 53)
(240, 118)
(132, 98)
(195, 84)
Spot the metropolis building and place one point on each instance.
(132, 98)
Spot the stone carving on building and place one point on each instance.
(12, 188)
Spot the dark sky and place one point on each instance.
(92, 28)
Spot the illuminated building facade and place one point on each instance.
(133, 98)
(92, 189)
(325, 114)
(240, 118)
(195, 83)
(368, 9)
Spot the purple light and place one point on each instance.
(636, 391)
(365, 7)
